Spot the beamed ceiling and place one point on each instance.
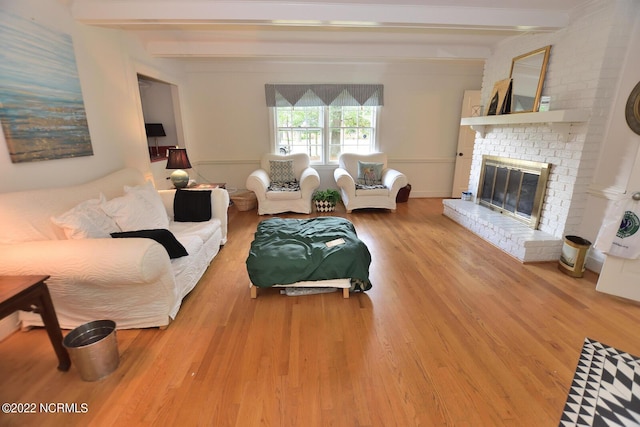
(340, 29)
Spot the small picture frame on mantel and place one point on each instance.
(499, 102)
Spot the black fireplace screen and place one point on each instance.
(514, 187)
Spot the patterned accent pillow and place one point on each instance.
(281, 171)
(369, 173)
(370, 187)
(284, 186)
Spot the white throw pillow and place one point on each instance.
(140, 208)
(86, 220)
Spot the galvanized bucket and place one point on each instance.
(93, 349)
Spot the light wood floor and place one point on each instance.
(454, 332)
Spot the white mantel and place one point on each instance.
(554, 118)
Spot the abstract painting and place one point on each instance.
(41, 107)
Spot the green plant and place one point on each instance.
(328, 195)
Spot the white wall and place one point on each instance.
(107, 61)
(228, 129)
(620, 144)
(223, 108)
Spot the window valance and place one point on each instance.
(306, 95)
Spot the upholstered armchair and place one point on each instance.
(284, 183)
(365, 181)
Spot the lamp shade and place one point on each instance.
(154, 129)
(178, 159)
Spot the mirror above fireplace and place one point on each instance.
(527, 74)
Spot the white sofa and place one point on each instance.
(346, 176)
(131, 281)
(273, 202)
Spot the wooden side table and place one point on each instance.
(30, 293)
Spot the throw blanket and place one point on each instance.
(286, 251)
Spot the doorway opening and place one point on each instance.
(161, 113)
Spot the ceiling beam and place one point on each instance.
(279, 50)
(150, 12)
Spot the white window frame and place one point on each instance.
(273, 134)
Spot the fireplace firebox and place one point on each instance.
(514, 187)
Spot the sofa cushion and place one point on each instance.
(140, 208)
(184, 267)
(164, 237)
(86, 220)
(373, 192)
(204, 230)
(369, 173)
(283, 195)
(192, 205)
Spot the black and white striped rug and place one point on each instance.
(605, 390)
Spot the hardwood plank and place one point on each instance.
(453, 332)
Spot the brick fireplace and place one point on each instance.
(555, 147)
(515, 188)
(583, 75)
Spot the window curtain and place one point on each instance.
(339, 95)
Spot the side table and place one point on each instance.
(30, 293)
(205, 186)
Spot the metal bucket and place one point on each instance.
(574, 254)
(93, 349)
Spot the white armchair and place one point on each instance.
(277, 200)
(372, 192)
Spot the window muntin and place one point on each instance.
(325, 132)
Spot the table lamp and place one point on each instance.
(154, 130)
(178, 160)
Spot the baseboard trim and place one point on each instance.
(9, 325)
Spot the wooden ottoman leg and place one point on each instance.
(254, 291)
(345, 292)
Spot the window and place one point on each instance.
(325, 132)
(324, 120)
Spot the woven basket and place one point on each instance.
(324, 206)
(245, 200)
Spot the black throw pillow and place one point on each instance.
(192, 205)
(160, 235)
